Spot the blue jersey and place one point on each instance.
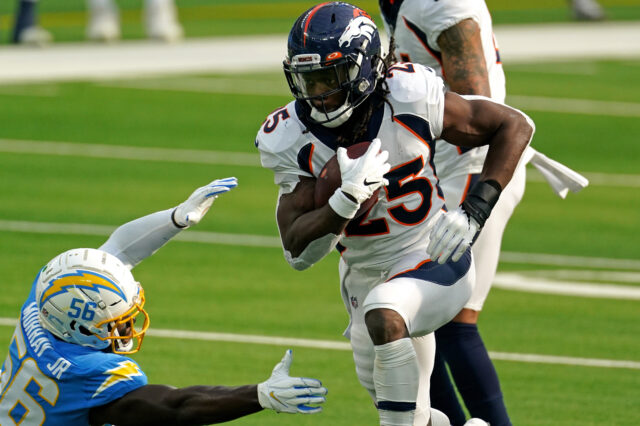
(45, 381)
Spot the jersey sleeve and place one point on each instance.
(417, 88)
(437, 17)
(277, 142)
(112, 377)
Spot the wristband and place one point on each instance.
(342, 205)
(173, 219)
(480, 200)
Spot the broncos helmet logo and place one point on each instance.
(360, 26)
(83, 279)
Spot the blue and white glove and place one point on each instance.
(286, 394)
(452, 235)
(191, 211)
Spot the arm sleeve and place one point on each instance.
(136, 240)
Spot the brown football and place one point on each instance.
(329, 180)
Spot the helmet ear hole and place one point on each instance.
(84, 331)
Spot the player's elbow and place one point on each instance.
(297, 263)
(522, 125)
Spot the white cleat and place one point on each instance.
(35, 36)
(161, 21)
(104, 22)
(587, 10)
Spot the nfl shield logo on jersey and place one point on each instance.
(354, 302)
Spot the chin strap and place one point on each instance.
(341, 115)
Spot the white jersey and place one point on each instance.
(416, 26)
(400, 222)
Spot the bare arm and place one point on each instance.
(478, 122)
(194, 405)
(300, 223)
(463, 62)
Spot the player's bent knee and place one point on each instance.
(385, 325)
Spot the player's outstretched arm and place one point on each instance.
(476, 121)
(203, 405)
(136, 240)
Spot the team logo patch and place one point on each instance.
(354, 302)
(361, 26)
(125, 370)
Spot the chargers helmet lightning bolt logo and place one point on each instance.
(82, 279)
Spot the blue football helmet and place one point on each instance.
(333, 62)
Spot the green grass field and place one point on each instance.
(246, 290)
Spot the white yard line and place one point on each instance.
(564, 261)
(129, 152)
(575, 106)
(509, 281)
(344, 346)
(519, 282)
(120, 152)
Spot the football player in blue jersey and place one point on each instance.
(68, 363)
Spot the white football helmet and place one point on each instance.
(90, 298)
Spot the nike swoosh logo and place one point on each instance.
(274, 397)
(366, 182)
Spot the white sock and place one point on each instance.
(396, 376)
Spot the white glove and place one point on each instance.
(196, 206)
(286, 394)
(452, 234)
(363, 175)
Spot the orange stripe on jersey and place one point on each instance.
(308, 21)
(495, 46)
(413, 132)
(409, 270)
(422, 38)
(310, 157)
(466, 188)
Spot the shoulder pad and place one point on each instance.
(280, 130)
(409, 82)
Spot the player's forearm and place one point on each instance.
(463, 61)
(203, 405)
(136, 240)
(164, 405)
(506, 147)
(310, 227)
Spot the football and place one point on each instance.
(329, 180)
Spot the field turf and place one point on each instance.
(245, 290)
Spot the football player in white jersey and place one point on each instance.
(68, 363)
(456, 40)
(406, 267)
